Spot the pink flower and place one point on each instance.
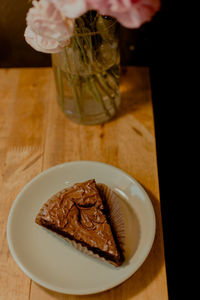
(102, 6)
(71, 8)
(46, 20)
(41, 43)
(130, 13)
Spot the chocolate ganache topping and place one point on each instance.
(78, 213)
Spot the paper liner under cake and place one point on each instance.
(112, 201)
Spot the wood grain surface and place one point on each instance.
(35, 135)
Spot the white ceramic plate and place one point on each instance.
(52, 262)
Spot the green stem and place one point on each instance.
(95, 93)
(84, 42)
(87, 54)
(103, 85)
(106, 81)
(77, 102)
(75, 92)
(60, 87)
(114, 77)
(67, 63)
(82, 50)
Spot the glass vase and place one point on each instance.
(87, 70)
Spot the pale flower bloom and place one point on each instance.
(41, 43)
(71, 8)
(130, 13)
(46, 20)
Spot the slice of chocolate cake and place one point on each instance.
(79, 214)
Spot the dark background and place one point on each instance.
(151, 45)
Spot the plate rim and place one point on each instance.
(88, 291)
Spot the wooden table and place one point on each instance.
(35, 135)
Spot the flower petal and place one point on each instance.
(42, 44)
